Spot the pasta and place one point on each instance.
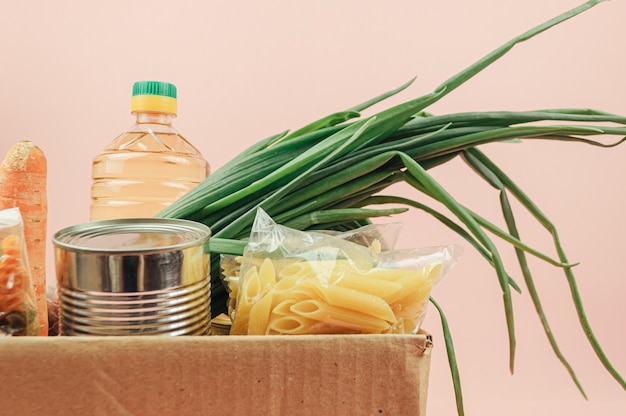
(366, 284)
(230, 268)
(413, 305)
(292, 324)
(317, 267)
(298, 325)
(404, 326)
(326, 297)
(260, 315)
(247, 295)
(389, 274)
(337, 316)
(230, 265)
(285, 284)
(296, 294)
(327, 281)
(413, 283)
(256, 283)
(354, 300)
(283, 308)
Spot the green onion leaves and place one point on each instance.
(331, 174)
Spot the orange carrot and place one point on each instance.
(23, 175)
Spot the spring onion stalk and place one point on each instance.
(508, 184)
(329, 173)
(454, 368)
(479, 162)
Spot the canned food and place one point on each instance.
(135, 276)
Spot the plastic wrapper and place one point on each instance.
(18, 308)
(52, 301)
(230, 268)
(296, 282)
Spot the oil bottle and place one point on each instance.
(148, 166)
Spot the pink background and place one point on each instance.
(245, 72)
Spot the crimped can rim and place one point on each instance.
(81, 237)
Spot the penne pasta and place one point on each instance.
(365, 284)
(250, 287)
(257, 282)
(416, 280)
(413, 304)
(249, 292)
(240, 322)
(340, 317)
(285, 284)
(292, 295)
(389, 274)
(258, 320)
(329, 296)
(404, 326)
(267, 276)
(365, 303)
(291, 324)
(298, 325)
(295, 270)
(321, 267)
(283, 308)
(230, 267)
(330, 328)
(307, 289)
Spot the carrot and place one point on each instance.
(23, 175)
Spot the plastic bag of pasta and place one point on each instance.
(376, 237)
(18, 310)
(295, 282)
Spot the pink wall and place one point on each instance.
(246, 72)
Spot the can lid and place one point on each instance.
(139, 235)
(154, 96)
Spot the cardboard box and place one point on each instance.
(216, 375)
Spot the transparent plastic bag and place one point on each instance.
(230, 268)
(377, 237)
(18, 308)
(295, 282)
(52, 301)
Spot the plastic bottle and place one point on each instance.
(150, 165)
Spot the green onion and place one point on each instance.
(329, 173)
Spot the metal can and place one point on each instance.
(133, 276)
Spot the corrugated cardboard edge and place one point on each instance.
(221, 375)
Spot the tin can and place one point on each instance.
(139, 276)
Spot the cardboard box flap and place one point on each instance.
(225, 375)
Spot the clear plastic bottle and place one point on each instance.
(150, 165)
